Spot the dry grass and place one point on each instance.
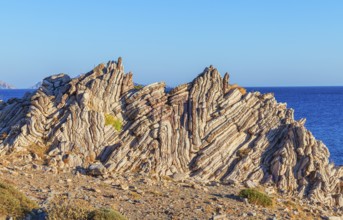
(77, 210)
(298, 208)
(14, 203)
(105, 214)
(241, 89)
(155, 193)
(40, 151)
(80, 210)
(135, 195)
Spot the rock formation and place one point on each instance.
(4, 85)
(205, 129)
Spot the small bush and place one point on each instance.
(138, 87)
(114, 122)
(68, 210)
(14, 203)
(105, 214)
(256, 197)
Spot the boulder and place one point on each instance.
(97, 169)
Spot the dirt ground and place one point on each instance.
(139, 196)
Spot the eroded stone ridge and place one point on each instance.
(206, 129)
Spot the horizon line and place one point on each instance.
(291, 86)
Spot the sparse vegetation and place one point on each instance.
(14, 203)
(3, 136)
(241, 153)
(256, 197)
(138, 87)
(105, 214)
(241, 89)
(38, 150)
(114, 122)
(77, 210)
(135, 195)
(80, 210)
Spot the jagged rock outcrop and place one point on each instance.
(206, 129)
(4, 85)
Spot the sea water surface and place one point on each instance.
(321, 106)
(6, 94)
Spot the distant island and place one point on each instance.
(4, 85)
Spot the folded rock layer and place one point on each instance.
(206, 129)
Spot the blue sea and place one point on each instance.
(6, 94)
(321, 106)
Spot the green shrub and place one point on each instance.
(138, 87)
(114, 122)
(67, 210)
(256, 197)
(79, 210)
(14, 203)
(105, 214)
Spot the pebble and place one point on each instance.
(219, 217)
(95, 190)
(332, 218)
(124, 187)
(250, 184)
(251, 213)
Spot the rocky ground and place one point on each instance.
(142, 197)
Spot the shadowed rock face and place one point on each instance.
(205, 129)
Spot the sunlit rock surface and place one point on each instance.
(206, 129)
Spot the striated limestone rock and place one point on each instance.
(205, 129)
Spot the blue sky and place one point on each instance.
(261, 43)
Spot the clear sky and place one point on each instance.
(261, 43)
